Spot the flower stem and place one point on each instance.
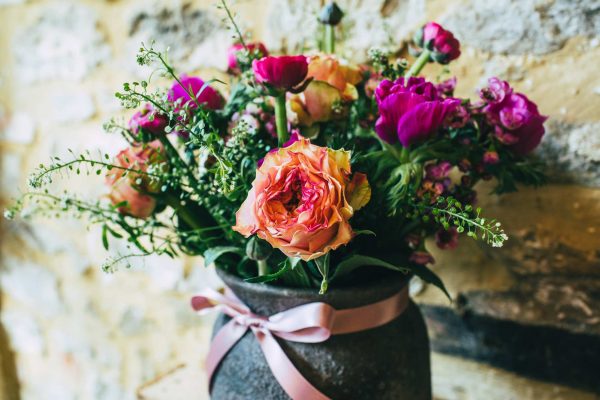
(419, 64)
(281, 119)
(329, 39)
(263, 267)
(181, 210)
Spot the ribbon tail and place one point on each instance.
(223, 341)
(290, 379)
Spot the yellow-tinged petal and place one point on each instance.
(358, 191)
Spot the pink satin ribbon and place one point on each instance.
(308, 323)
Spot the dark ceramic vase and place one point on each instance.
(388, 362)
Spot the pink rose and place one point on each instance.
(204, 94)
(302, 199)
(134, 188)
(255, 49)
(281, 73)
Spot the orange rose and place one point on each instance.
(302, 199)
(131, 187)
(333, 84)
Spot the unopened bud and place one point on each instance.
(257, 249)
(331, 14)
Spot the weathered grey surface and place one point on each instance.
(524, 26)
(572, 152)
(389, 362)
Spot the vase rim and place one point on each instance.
(263, 297)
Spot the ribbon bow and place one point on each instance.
(308, 323)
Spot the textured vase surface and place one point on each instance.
(389, 362)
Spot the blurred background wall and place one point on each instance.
(526, 320)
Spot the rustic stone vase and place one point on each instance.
(388, 362)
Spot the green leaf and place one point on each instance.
(284, 266)
(356, 261)
(430, 277)
(211, 255)
(296, 276)
(364, 232)
(104, 237)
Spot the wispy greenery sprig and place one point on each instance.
(449, 212)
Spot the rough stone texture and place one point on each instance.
(571, 304)
(573, 151)
(387, 362)
(62, 43)
(539, 352)
(195, 37)
(19, 129)
(115, 332)
(366, 24)
(524, 26)
(72, 106)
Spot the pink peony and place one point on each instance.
(131, 187)
(255, 49)
(410, 111)
(204, 94)
(444, 46)
(148, 120)
(281, 73)
(302, 199)
(518, 121)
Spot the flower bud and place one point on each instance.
(331, 14)
(258, 249)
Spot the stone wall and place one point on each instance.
(78, 333)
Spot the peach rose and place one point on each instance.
(342, 76)
(302, 199)
(134, 188)
(333, 84)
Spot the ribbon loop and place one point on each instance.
(308, 323)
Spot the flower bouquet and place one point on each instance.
(312, 184)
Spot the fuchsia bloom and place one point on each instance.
(447, 239)
(518, 122)
(444, 46)
(205, 95)
(302, 199)
(253, 48)
(133, 188)
(410, 111)
(281, 73)
(148, 120)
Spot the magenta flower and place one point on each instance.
(496, 91)
(446, 88)
(444, 46)
(447, 239)
(148, 120)
(253, 48)
(410, 112)
(518, 121)
(204, 94)
(281, 73)
(439, 171)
